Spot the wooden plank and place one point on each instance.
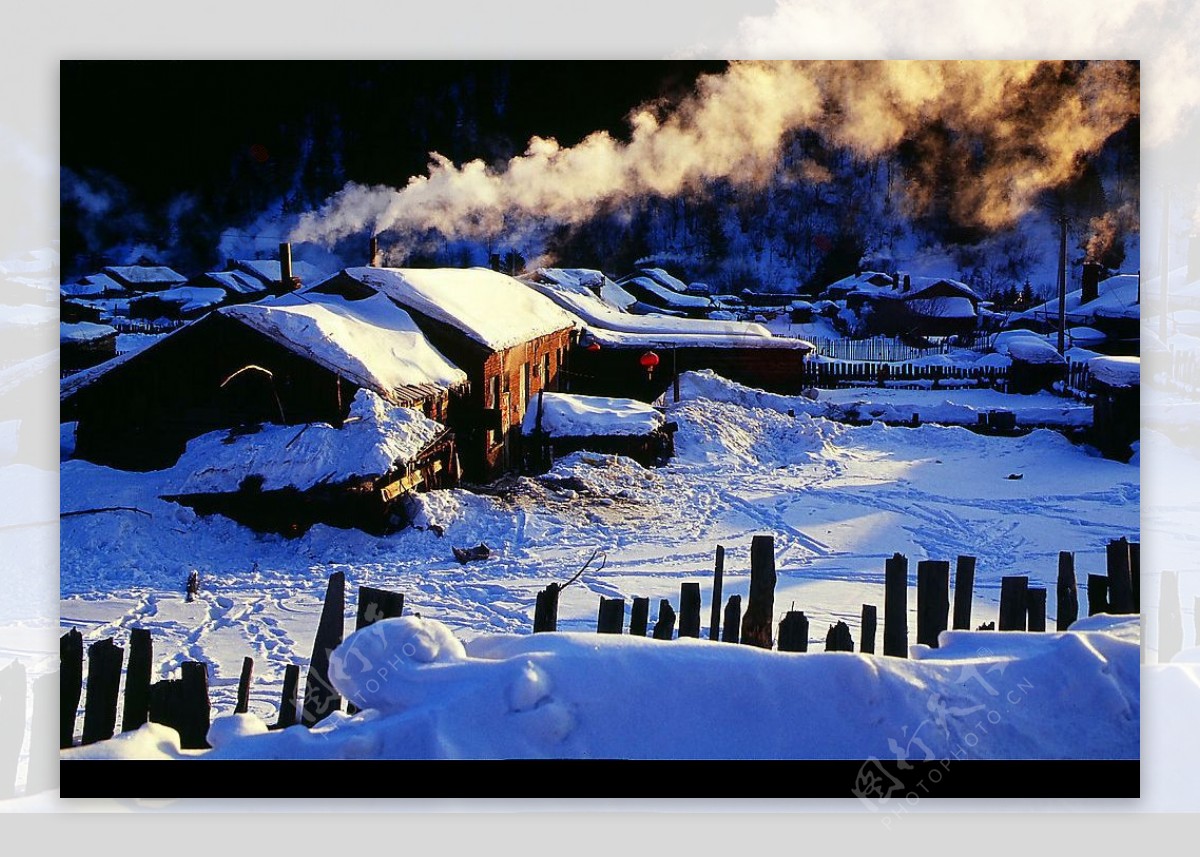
(933, 600)
(758, 621)
(733, 620)
(1013, 602)
(895, 607)
(793, 632)
(320, 697)
(103, 686)
(1135, 575)
(714, 619)
(838, 638)
(288, 704)
(137, 680)
(1068, 592)
(1036, 609)
(70, 685)
(639, 616)
(195, 711)
(243, 691)
(545, 613)
(375, 605)
(964, 590)
(1120, 580)
(867, 644)
(689, 609)
(664, 629)
(611, 616)
(1097, 589)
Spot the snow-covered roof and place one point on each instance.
(660, 276)
(188, 298)
(920, 285)
(1118, 298)
(269, 270)
(567, 415)
(144, 274)
(1116, 371)
(586, 281)
(864, 281)
(238, 282)
(1030, 350)
(943, 308)
(93, 285)
(667, 296)
(84, 332)
(492, 309)
(370, 342)
(374, 438)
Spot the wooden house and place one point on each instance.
(293, 360)
(84, 344)
(511, 341)
(1116, 414)
(562, 423)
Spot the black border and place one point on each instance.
(893, 786)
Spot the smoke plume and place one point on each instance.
(1015, 129)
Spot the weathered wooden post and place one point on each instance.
(964, 590)
(13, 718)
(1068, 594)
(867, 644)
(243, 692)
(1170, 619)
(793, 632)
(1135, 574)
(194, 706)
(1013, 602)
(733, 620)
(610, 619)
(1036, 608)
(288, 714)
(933, 600)
(320, 697)
(664, 629)
(1120, 581)
(758, 621)
(70, 685)
(639, 616)
(1097, 595)
(895, 606)
(545, 613)
(714, 618)
(689, 609)
(375, 605)
(137, 680)
(838, 638)
(103, 685)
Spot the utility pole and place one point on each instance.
(1062, 282)
(1163, 263)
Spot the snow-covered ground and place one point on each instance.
(838, 500)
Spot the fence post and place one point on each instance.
(1097, 595)
(757, 624)
(103, 684)
(714, 619)
(545, 613)
(964, 590)
(733, 620)
(838, 638)
(243, 692)
(1135, 574)
(288, 714)
(664, 629)
(1036, 607)
(194, 708)
(70, 685)
(895, 607)
(1013, 602)
(320, 697)
(793, 632)
(611, 617)
(375, 605)
(137, 680)
(13, 718)
(933, 600)
(689, 609)
(1120, 583)
(639, 616)
(1170, 620)
(867, 644)
(1068, 594)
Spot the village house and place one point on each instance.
(145, 278)
(85, 343)
(879, 303)
(511, 341)
(562, 423)
(657, 291)
(291, 361)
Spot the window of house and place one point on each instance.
(524, 392)
(494, 434)
(545, 370)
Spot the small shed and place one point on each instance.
(84, 344)
(1116, 410)
(565, 423)
(1036, 365)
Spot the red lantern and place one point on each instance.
(649, 361)
(593, 346)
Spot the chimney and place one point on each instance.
(373, 260)
(1091, 282)
(285, 267)
(1193, 269)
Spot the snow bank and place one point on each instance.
(1116, 371)
(371, 342)
(721, 433)
(956, 407)
(493, 309)
(1070, 695)
(84, 332)
(706, 384)
(1034, 351)
(565, 415)
(373, 439)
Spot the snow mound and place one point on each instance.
(566, 415)
(706, 384)
(713, 432)
(1116, 371)
(373, 439)
(1034, 351)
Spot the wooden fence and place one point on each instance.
(1184, 372)
(879, 374)
(874, 349)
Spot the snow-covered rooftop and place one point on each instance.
(667, 296)
(93, 285)
(190, 298)
(567, 415)
(1030, 350)
(586, 281)
(238, 282)
(84, 332)
(493, 309)
(943, 308)
(269, 271)
(1118, 298)
(371, 342)
(1116, 371)
(374, 438)
(661, 277)
(143, 274)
